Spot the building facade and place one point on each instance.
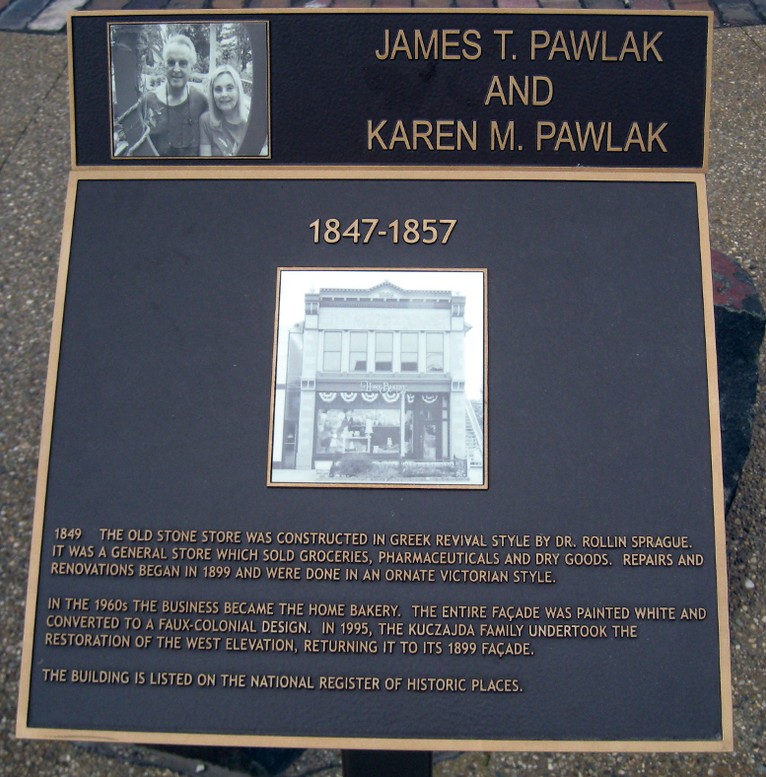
(378, 371)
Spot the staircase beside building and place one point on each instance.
(474, 434)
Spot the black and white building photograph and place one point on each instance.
(189, 90)
(379, 378)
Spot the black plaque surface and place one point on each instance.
(600, 401)
(594, 89)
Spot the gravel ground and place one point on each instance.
(34, 161)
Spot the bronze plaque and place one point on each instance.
(377, 457)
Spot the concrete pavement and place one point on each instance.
(34, 163)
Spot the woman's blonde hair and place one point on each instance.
(243, 104)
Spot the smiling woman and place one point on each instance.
(224, 125)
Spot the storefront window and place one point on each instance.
(435, 352)
(384, 352)
(372, 423)
(358, 351)
(409, 352)
(359, 430)
(332, 351)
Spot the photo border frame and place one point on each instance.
(483, 485)
(212, 18)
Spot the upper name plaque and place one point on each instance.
(528, 90)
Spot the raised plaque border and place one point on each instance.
(724, 744)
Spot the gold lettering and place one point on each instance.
(423, 51)
(506, 141)
(495, 90)
(421, 130)
(387, 41)
(540, 35)
(401, 46)
(604, 136)
(373, 134)
(654, 137)
(447, 44)
(534, 90)
(630, 46)
(399, 135)
(593, 46)
(634, 136)
(437, 44)
(442, 135)
(471, 40)
(503, 34)
(650, 45)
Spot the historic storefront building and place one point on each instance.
(376, 371)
